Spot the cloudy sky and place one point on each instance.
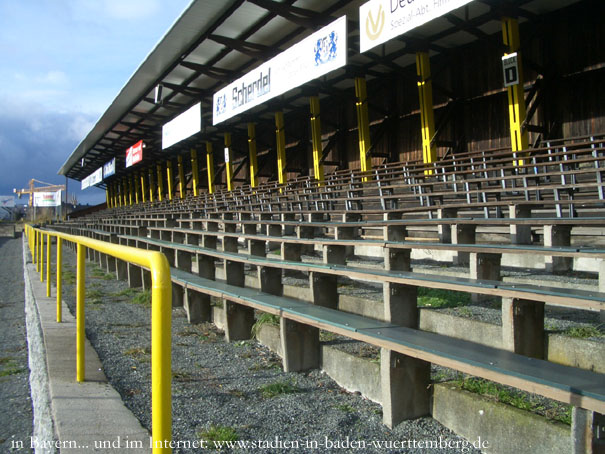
(62, 62)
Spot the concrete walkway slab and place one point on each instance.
(89, 416)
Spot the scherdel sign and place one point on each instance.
(383, 20)
(134, 154)
(318, 54)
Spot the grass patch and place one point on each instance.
(326, 336)
(126, 293)
(345, 408)
(69, 277)
(142, 298)
(557, 411)
(437, 298)
(278, 388)
(11, 368)
(583, 332)
(93, 295)
(264, 319)
(139, 353)
(99, 273)
(216, 435)
(6, 360)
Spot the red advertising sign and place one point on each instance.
(134, 154)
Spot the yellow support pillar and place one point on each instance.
(363, 124)
(280, 135)
(516, 97)
(107, 197)
(136, 188)
(130, 192)
(427, 117)
(318, 167)
(195, 177)
(152, 188)
(143, 187)
(210, 167)
(169, 181)
(252, 154)
(182, 188)
(228, 166)
(160, 183)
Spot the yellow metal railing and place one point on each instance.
(161, 314)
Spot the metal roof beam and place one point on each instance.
(257, 51)
(300, 16)
(210, 71)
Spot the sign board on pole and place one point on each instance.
(7, 201)
(383, 20)
(109, 168)
(185, 125)
(47, 199)
(510, 69)
(134, 154)
(322, 52)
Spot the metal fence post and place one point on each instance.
(80, 289)
(59, 277)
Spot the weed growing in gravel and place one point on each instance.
(99, 273)
(6, 360)
(142, 298)
(437, 298)
(264, 319)
(326, 336)
(139, 353)
(345, 408)
(93, 295)
(127, 293)
(236, 393)
(69, 277)
(218, 434)
(11, 368)
(557, 411)
(278, 388)
(182, 376)
(583, 332)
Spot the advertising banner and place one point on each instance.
(96, 177)
(134, 154)
(383, 20)
(85, 182)
(7, 201)
(318, 54)
(109, 168)
(185, 125)
(47, 199)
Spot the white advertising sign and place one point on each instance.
(226, 154)
(183, 126)
(318, 54)
(96, 177)
(383, 20)
(85, 182)
(109, 168)
(7, 201)
(47, 199)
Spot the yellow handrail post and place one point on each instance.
(35, 249)
(41, 257)
(210, 167)
(59, 276)
(280, 135)
(194, 172)
(80, 289)
(228, 165)
(143, 187)
(427, 116)
(318, 167)
(182, 188)
(252, 153)
(48, 241)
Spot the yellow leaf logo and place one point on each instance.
(374, 27)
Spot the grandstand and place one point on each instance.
(291, 157)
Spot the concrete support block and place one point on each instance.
(334, 255)
(555, 236)
(197, 306)
(397, 259)
(463, 234)
(587, 435)
(300, 346)
(445, 230)
(206, 266)
(170, 256)
(286, 217)
(238, 321)
(520, 234)
(269, 280)
(208, 241)
(523, 327)
(165, 235)
(484, 267)
(394, 232)
(134, 276)
(401, 304)
(121, 270)
(145, 279)
(257, 248)
(155, 234)
(324, 290)
(230, 242)
(183, 261)
(178, 294)
(291, 252)
(178, 237)
(405, 387)
(192, 239)
(234, 273)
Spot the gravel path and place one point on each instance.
(16, 411)
(216, 383)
